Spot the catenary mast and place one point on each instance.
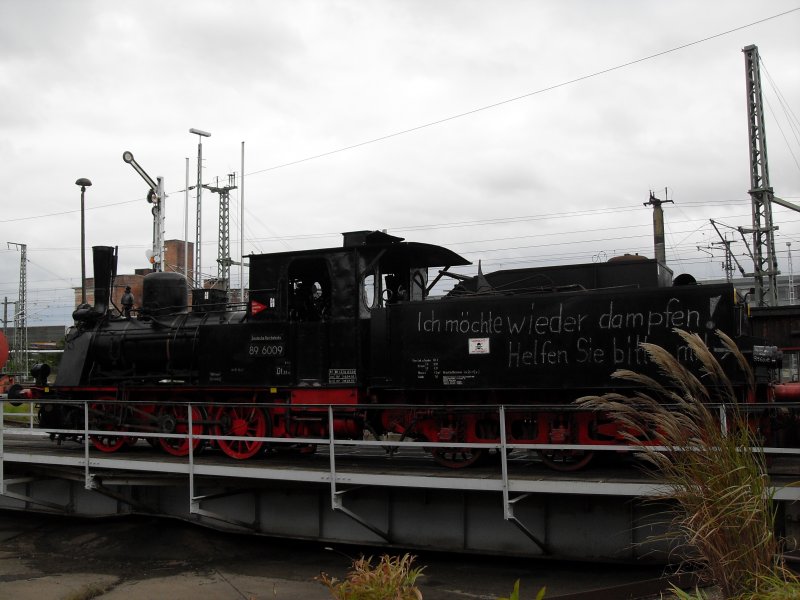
(20, 345)
(765, 261)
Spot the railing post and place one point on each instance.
(191, 459)
(508, 504)
(507, 511)
(335, 501)
(723, 420)
(87, 481)
(2, 448)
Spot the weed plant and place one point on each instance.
(393, 578)
(515, 593)
(715, 475)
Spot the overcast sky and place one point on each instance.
(578, 132)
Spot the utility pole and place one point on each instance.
(20, 345)
(5, 315)
(765, 261)
(791, 274)
(727, 264)
(198, 274)
(84, 183)
(241, 233)
(224, 261)
(792, 355)
(729, 256)
(186, 227)
(5, 368)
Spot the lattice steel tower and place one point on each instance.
(224, 261)
(20, 345)
(764, 258)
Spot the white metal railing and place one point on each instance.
(502, 446)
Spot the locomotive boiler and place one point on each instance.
(356, 328)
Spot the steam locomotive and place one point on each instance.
(356, 328)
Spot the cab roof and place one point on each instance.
(393, 248)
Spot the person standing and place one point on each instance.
(127, 302)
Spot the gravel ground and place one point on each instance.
(46, 557)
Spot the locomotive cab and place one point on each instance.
(327, 299)
(393, 271)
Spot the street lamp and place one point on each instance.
(84, 183)
(198, 231)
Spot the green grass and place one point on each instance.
(17, 414)
(22, 408)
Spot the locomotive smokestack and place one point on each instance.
(105, 268)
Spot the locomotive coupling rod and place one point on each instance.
(127, 156)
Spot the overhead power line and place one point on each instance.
(462, 114)
(526, 95)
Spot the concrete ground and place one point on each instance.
(45, 557)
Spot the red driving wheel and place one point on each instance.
(247, 421)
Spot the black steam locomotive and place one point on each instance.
(355, 328)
